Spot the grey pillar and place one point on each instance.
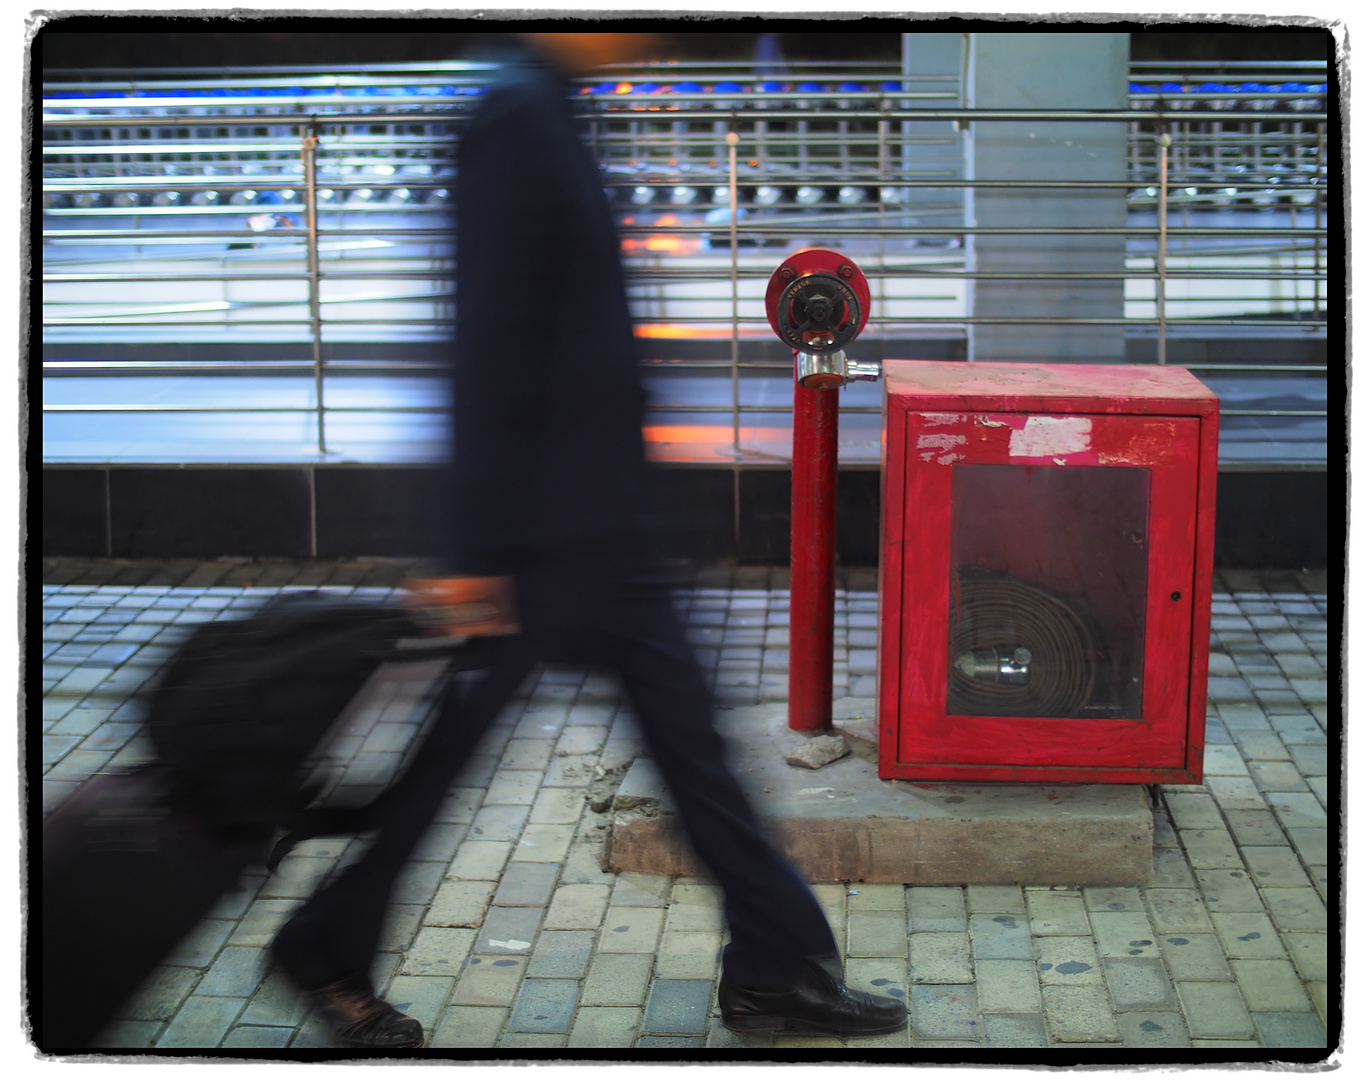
(1048, 71)
(935, 64)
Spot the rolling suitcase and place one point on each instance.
(135, 859)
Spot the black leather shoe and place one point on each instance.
(822, 1006)
(360, 1019)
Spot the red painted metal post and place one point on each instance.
(813, 526)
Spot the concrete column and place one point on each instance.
(1048, 71)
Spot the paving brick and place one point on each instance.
(201, 1023)
(1056, 911)
(420, 996)
(1153, 1030)
(470, 1027)
(438, 950)
(527, 884)
(278, 1002)
(1210, 848)
(882, 976)
(544, 1006)
(499, 823)
(558, 806)
(1124, 933)
(943, 1012)
(577, 907)
(417, 883)
(236, 972)
(460, 903)
(1000, 937)
(1008, 986)
(1112, 898)
(936, 909)
(1214, 1010)
(604, 1027)
(876, 933)
(618, 979)
(670, 1042)
(1311, 845)
(876, 897)
(1255, 828)
(1236, 793)
(1079, 1014)
(198, 947)
(159, 998)
(1067, 961)
(480, 860)
(994, 899)
(1277, 776)
(695, 907)
(678, 1006)
(1310, 954)
(1006, 1030)
(1177, 911)
(1271, 985)
(1290, 1030)
(1139, 983)
(513, 787)
(1195, 958)
(490, 980)
(689, 954)
(632, 929)
(1295, 908)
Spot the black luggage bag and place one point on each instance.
(134, 860)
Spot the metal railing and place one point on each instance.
(312, 209)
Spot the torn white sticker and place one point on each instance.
(1043, 436)
(941, 442)
(939, 419)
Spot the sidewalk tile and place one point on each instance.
(943, 1012)
(420, 996)
(1210, 848)
(1310, 954)
(1124, 933)
(1079, 1014)
(678, 1006)
(1139, 983)
(1287, 1030)
(469, 1027)
(1295, 908)
(545, 1006)
(1275, 867)
(489, 980)
(1155, 1030)
(995, 899)
(617, 979)
(164, 992)
(1056, 911)
(1067, 961)
(1014, 1030)
(527, 883)
(1000, 937)
(876, 933)
(480, 860)
(201, 1023)
(438, 950)
(1177, 911)
(236, 972)
(1008, 986)
(1195, 958)
(936, 908)
(632, 929)
(1271, 986)
(689, 954)
(460, 903)
(604, 1028)
(1214, 1010)
(695, 907)
(873, 897)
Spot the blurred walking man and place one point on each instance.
(547, 487)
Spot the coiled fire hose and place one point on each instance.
(1016, 649)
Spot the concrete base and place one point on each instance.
(842, 823)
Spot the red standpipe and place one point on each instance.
(813, 529)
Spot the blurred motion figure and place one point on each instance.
(547, 487)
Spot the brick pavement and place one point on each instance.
(506, 934)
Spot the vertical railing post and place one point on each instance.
(1163, 147)
(308, 144)
(732, 140)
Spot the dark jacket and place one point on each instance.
(547, 437)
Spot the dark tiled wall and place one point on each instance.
(1267, 520)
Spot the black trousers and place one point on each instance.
(597, 604)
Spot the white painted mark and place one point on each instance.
(513, 944)
(816, 791)
(1043, 436)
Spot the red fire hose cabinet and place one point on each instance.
(1047, 548)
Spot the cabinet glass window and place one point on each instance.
(1049, 591)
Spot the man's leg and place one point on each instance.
(331, 941)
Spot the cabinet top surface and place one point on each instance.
(1065, 387)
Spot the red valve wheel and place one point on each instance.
(817, 301)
